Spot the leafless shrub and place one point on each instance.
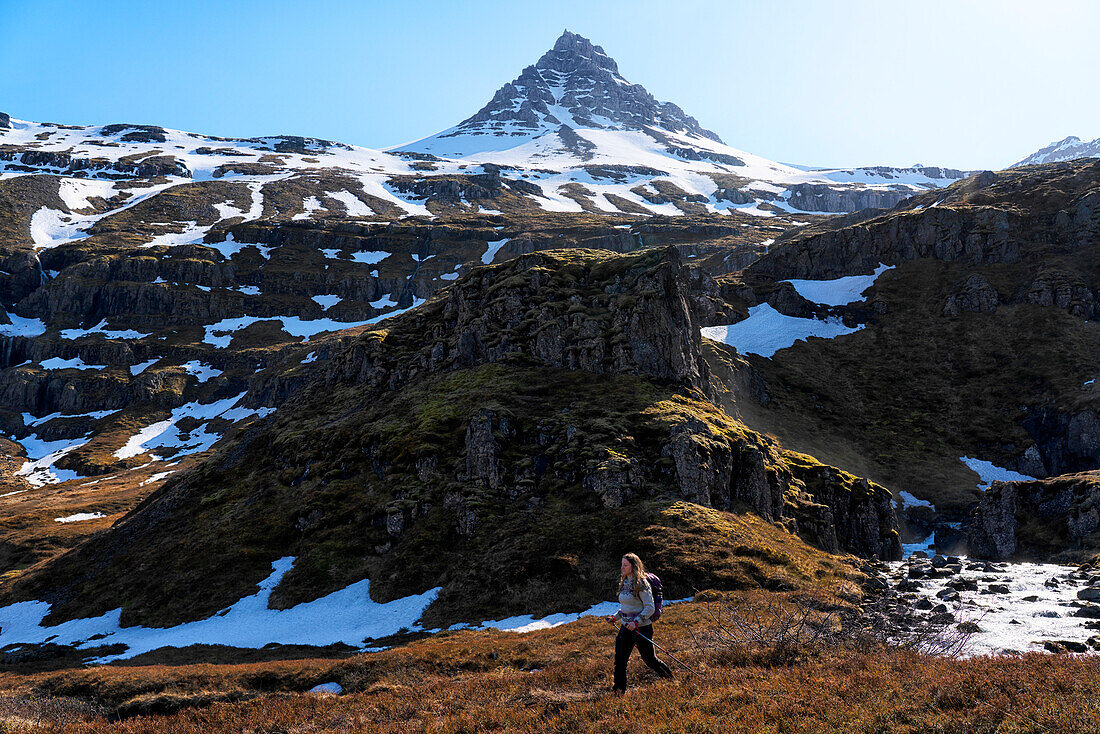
(775, 628)
(40, 710)
(888, 621)
(778, 629)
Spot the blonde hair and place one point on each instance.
(637, 577)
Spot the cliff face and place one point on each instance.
(580, 315)
(1055, 519)
(979, 342)
(548, 408)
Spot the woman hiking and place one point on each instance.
(636, 606)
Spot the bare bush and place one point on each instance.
(38, 710)
(780, 628)
(888, 621)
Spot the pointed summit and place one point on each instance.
(573, 86)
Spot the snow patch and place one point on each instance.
(221, 333)
(354, 205)
(52, 227)
(839, 291)
(101, 328)
(20, 326)
(76, 363)
(309, 205)
(166, 434)
(766, 331)
(493, 249)
(137, 369)
(42, 455)
(988, 473)
(908, 500)
(153, 478)
(327, 301)
(75, 192)
(201, 372)
(80, 517)
(371, 257)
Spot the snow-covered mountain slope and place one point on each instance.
(573, 112)
(568, 135)
(1065, 149)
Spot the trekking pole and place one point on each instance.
(666, 652)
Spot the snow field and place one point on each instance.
(839, 291)
(347, 616)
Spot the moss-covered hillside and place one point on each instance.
(506, 441)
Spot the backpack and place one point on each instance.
(658, 594)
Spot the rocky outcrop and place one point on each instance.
(481, 449)
(64, 163)
(1062, 289)
(830, 508)
(452, 189)
(136, 133)
(1054, 519)
(978, 236)
(824, 198)
(983, 220)
(634, 318)
(1065, 441)
(976, 294)
(5, 121)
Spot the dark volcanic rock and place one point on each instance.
(1038, 518)
(64, 163)
(976, 294)
(1065, 441)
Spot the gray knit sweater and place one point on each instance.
(636, 608)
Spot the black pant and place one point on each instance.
(624, 645)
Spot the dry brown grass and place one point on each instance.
(557, 681)
(29, 533)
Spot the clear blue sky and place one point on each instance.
(965, 84)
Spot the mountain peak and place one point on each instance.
(575, 85)
(573, 50)
(1066, 149)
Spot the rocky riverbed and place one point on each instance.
(976, 607)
